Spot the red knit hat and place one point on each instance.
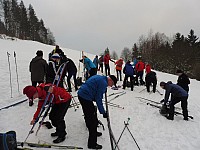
(29, 91)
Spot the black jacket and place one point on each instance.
(183, 81)
(38, 68)
(71, 67)
(151, 77)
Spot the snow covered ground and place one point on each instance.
(151, 130)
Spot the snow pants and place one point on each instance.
(57, 115)
(107, 69)
(174, 101)
(90, 120)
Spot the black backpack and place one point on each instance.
(8, 141)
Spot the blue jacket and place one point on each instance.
(88, 64)
(128, 70)
(96, 62)
(93, 90)
(175, 90)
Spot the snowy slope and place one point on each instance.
(151, 130)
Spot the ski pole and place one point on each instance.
(8, 54)
(16, 71)
(122, 131)
(133, 137)
(112, 138)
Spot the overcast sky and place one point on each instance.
(93, 25)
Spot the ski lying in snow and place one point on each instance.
(25, 148)
(38, 145)
(154, 102)
(115, 93)
(175, 112)
(17, 103)
(148, 100)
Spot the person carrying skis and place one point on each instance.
(89, 66)
(128, 70)
(61, 103)
(178, 94)
(93, 90)
(139, 67)
(53, 67)
(118, 68)
(183, 80)
(150, 79)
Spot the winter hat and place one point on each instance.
(39, 53)
(29, 91)
(179, 71)
(114, 79)
(56, 56)
(162, 83)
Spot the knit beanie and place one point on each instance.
(114, 79)
(162, 83)
(55, 55)
(29, 91)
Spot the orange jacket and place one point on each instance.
(119, 64)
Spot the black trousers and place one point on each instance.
(107, 69)
(119, 75)
(57, 115)
(101, 68)
(149, 82)
(140, 75)
(93, 71)
(90, 120)
(70, 74)
(126, 79)
(174, 101)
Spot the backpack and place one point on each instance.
(8, 141)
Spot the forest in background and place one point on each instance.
(161, 52)
(18, 21)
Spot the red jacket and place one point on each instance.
(148, 68)
(119, 64)
(140, 66)
(106, 59)
(60, 96)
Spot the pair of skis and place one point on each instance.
(38, 145)
(175, 112)
(57, 78)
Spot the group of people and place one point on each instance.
(48, 79)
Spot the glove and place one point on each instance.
(105, 115)
(163, 110)
(32, 122)
(162, 101)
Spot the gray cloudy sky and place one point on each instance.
(93, 25)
